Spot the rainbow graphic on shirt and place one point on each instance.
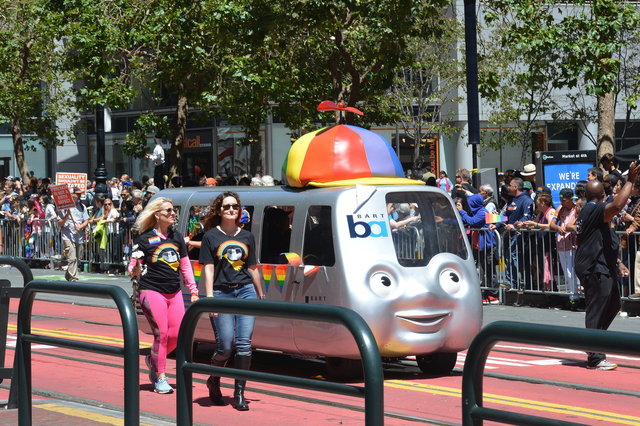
(222, 248)
(494, 218)
(154, 240)
(167, 253)
(267, 272)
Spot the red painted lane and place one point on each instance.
(407, 392)
(562, 365)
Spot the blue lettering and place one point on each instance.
(382, 227)
(362, 229)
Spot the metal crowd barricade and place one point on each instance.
(473, 412)
(529, 261)
(408, 243)
(525, 261)
(40, 240)
(372, 392)
(130, 351)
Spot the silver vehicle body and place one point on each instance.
(422, 299)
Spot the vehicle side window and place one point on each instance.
(195, 229)
(318, 237)
(247, 217)
(276, 234)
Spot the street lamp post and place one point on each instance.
(471, 53)
(101, 188)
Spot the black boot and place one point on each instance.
(213, 383)
(242, 362)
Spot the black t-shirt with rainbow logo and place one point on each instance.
(230, 255)
(161, 260)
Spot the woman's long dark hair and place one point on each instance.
(213, 218)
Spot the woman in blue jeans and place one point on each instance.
(228, 256)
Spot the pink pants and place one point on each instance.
(164, 313)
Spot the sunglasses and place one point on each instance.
(226, 207)
(169, 211)
(107, 204)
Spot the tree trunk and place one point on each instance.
(606, 126)
(175, 152)
(18, 150)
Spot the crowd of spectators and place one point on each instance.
(539, 237)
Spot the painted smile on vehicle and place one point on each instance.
(423, 322)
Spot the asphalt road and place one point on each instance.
(491, 312)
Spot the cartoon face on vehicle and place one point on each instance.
(428, 297)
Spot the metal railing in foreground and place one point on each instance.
(473, 413)
(372, 392)
(130, 351)
(8, 292)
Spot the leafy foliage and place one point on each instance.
(33, 94)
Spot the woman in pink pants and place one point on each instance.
(159, 258)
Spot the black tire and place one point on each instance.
(343, 368)
(439, 363)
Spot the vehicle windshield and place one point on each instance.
(423, 224)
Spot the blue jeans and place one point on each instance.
(228, 326)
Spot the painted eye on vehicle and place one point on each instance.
(450, 280)
(382, 284)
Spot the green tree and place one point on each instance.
(519, 70)
(432, 80)
(584, 39)
(33, 93)
(339, 50)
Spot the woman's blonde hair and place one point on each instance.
(147, 219)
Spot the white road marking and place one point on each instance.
(12, 340)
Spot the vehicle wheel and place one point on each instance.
(343, 368)
(438, 363)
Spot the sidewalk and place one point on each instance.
(58, 412)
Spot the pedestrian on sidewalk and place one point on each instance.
(73, 223)
(159, 259)
(230, 250)
(597, 264)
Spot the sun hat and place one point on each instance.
(529, 170)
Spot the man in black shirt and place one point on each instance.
(597, 262)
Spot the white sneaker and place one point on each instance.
(162, 386)
(603, 365)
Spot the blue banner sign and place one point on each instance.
(563, 169)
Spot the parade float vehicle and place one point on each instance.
(347, 229)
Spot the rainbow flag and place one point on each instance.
(267, 272)
(293, 259)
(494, 218)
(281, 275)
(197, 269)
